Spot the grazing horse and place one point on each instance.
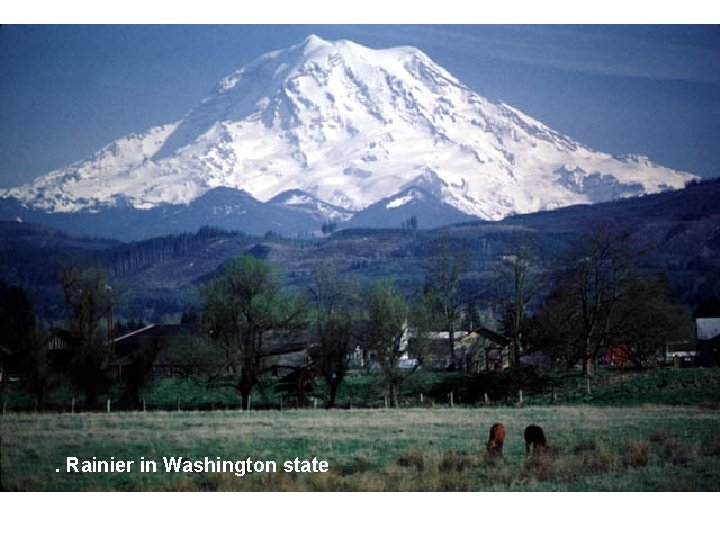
(535, 438)
(496, 440)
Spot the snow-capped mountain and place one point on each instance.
(333, 128)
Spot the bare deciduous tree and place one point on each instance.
(445, 270)
(595, 283)
(519, 280)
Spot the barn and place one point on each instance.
(153, 344)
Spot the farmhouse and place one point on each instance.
(708, 340)
(482, 349)
(363, 358)
(680, 353)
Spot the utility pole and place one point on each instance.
(110, 325)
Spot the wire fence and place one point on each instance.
(664, 385)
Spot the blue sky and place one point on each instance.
(65, 91)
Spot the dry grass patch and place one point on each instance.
(660, 436)
(712, 447)
(678, 452)
(414, 457)
(588, 457)
(542, 467)
(359, 464)
(673, 450)
(454, 461)
(636, 453)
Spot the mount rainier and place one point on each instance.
(332, 131)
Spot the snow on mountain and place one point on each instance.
(413, 203)
(335, 127)
(301, 201)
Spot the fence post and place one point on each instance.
(451, 400)
(487, 399)
(250, 403)
(520, 395)
(72, 405)
(108, 405)
(144, 410)
(588, 386)
(421, 398)
(385, 401)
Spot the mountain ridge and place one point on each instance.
(349, 126)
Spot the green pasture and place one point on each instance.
(634, 448)
(664, 386)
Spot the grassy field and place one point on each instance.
(641, 448)
(692, 386)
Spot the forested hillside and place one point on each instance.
(680, 232)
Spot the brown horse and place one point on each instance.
(534, 438)
(496, 440)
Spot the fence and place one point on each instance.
(686, 386)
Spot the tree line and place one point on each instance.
(593, 296)
(128, 259)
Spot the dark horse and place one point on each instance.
(535, 438)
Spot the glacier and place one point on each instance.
(336, 127)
